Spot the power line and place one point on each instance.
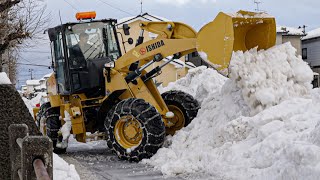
(114, 7)
(26, 64)
(25, 59)
(46, 52)
(71, 5)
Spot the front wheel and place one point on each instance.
(134, 129)
(184, 108)
(53, 125)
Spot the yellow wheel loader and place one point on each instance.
(96, 89)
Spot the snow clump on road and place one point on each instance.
(62, 170)
(262, 123)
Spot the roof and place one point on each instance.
(312, 34)
(143, 17)
(47, 75)
(32, 82)
(290, 31)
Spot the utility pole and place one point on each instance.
(141, 7)
(257, 2)
(303, 28)
(31, 70)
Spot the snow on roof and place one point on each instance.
(244, 14)
(4, 78)
(312, 34)
(32, 82)
(143, 17)
(47, 75)
(290, 31)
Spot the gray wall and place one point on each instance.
(293, 39)
(295, 42)
(279, 38)
(313, 51)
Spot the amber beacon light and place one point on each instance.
(86, 15)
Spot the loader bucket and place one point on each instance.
(232, 32)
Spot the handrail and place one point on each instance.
(31, 156)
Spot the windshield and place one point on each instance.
(90, 41)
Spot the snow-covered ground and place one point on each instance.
(4, 78)
(262, 123)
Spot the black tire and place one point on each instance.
(53, 125)
(151, 124)
(185, 102)
(41, 112)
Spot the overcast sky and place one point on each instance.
(195, 13)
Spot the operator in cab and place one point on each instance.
(86, 48)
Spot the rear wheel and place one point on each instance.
(184, 108)
(134, 129)
(53, 125)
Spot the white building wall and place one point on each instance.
(313, 51)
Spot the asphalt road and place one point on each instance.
(101, 164)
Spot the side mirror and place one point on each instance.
(126, 29)
(130, 41)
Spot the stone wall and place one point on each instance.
(12, 111)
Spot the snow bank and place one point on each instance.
(266, 78)
(263, 123)
(4, 78)
(62, 170)
(194, 84)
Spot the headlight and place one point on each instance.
(110, 64)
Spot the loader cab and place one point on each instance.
(79, 52)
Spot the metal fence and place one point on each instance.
(31, 156)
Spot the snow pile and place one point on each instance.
(38, 99)
(34, 101)
(266, 78)
(281, 141)
(29, 105)
(62, 170)
(4, 78)
(194, 84)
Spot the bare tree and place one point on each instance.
(5, 5)
(20, 20)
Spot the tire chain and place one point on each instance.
(190, 105)
(146, 148)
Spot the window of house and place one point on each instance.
(304, 53)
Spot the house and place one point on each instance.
(292, 35)
(174, 70)
(42, 87)
(311, 49)
(24, 90)
(31, 85)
